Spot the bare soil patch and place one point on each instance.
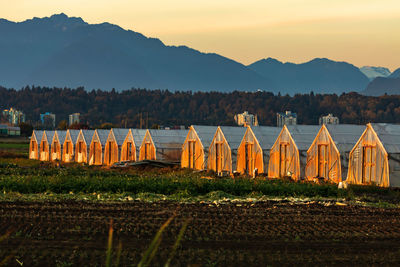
(252, 234)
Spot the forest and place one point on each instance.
(145, 108)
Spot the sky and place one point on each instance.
(361, 32)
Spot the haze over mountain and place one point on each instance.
(318, 75)
(380, 86)
(373, 72)
(384, 85)
(66, 51)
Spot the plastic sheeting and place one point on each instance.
(55, 150)
(223, 149)
(68, 146)
(253, 151)
(147, 149)
(114, 144)
(250, 154)
(163, 145)
(138, 136)
(323, 158)
(44, 151)
(284, 157)
(34, 144)
(96, 147)
(128, 148)
(110, 153)
(96, 153)
(82, 144)
(45, 145)
(195, 147)
(58, 140)
(369, 162)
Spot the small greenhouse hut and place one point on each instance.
(288, 155)
(131, 144)
(96, 154)
(253, 151)
(162, 145)
(327, 156)
(375, 158)
(82, 145)
(68, 151)
(196, 145)
(36, 139)
(45, 145)
(112, 149)
(223, 148)
(56, 145)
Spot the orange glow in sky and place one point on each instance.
(361, 32)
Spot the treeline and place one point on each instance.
(129, 108)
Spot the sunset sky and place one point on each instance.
(362, 32)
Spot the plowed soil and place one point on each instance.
(252, 234)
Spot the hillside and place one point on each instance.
(319, 75)
(380, 86)
(186, 108)
(64, 51)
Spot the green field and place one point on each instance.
(15, 146)
(30, 177)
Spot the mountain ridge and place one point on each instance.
(44, 52)
(318, 75)
(381, 85)
(395, 74)
(65, 51)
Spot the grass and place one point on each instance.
(15, 146)
(13, 149)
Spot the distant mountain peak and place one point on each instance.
(321, 59)
(59, 16)
(373, 72)
(58, 19)
(272, 60)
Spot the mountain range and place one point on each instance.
(66, 51)
(319, 75)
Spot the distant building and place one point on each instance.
(246, 118)
(328, 119)
(74, 118)
(6, 130)
(286, 118)
(13, 116)
(48, 120)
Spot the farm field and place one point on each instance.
(60, 215)
(265, 233)
(18, 145)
